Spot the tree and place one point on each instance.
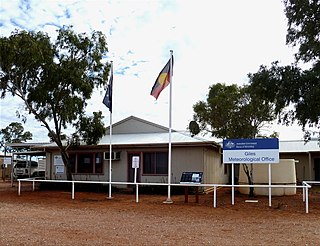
(232, 112)
(54, 79)
(13, 133)
(290, 85)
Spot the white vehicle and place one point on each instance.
(25, 169)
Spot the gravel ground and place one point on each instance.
(47, 217)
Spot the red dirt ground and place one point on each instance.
(47, 217)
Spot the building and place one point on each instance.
(135, 137)
(307, 156)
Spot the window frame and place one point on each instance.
(75, 158)
(154, 168)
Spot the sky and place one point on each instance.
(213, 41)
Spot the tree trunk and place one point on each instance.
(67, 163)
(250, 178)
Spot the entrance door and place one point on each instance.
(317, 169)
(131, 170)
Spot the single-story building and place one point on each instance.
(307, 156)
(133, 137)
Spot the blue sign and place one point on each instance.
(258, 150)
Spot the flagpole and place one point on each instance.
(110, 144)
(169, 200)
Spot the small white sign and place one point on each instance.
(59, 169)
(7, 160)
(57, 160)
(135, 161)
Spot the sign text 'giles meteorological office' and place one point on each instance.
(259, 150)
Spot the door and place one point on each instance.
(317, 169)
(133, 156)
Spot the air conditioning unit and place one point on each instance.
(115, 155)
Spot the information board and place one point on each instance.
(258, 150)
(191, 178)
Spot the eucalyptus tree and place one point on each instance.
(55, 78)
(295, 91)
(232, 112)
(13, 133)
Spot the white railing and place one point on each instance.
(305, 186)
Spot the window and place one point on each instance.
(155, 163)
(86, 163)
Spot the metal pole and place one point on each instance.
(72, 190)
(110, 144)
(270, 190)
(307, 201)
(232, 182)
(170, 121)
(214, 196)
(137, 193)
(19, 187)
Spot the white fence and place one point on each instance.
(305, 186)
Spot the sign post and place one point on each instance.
(251, 151)
(135, 165)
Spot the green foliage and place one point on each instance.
(14, 133)
(294, 91)
(232, 112)
(53, 79)
(304, 27)
(91, 128)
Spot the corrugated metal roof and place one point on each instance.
(152, 138)
(149, 139)
(299, 146)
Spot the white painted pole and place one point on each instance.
(214, 196)
(72, 193)
(307, 201)
(232, 182)
(137, 193)
(19, 188)
(135, 175)
(170, 123)
(33, 185)
(270, 189)
(110, 157)
(110, 144)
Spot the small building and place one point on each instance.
(133, 137)
(306, 155)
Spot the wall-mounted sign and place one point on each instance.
(57, 160)
(258, 150)
(59, 169)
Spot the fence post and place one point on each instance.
(19, 187)
(33, 183)
(72, 190)
(214, 196)
(307, 201)
(137, 193)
